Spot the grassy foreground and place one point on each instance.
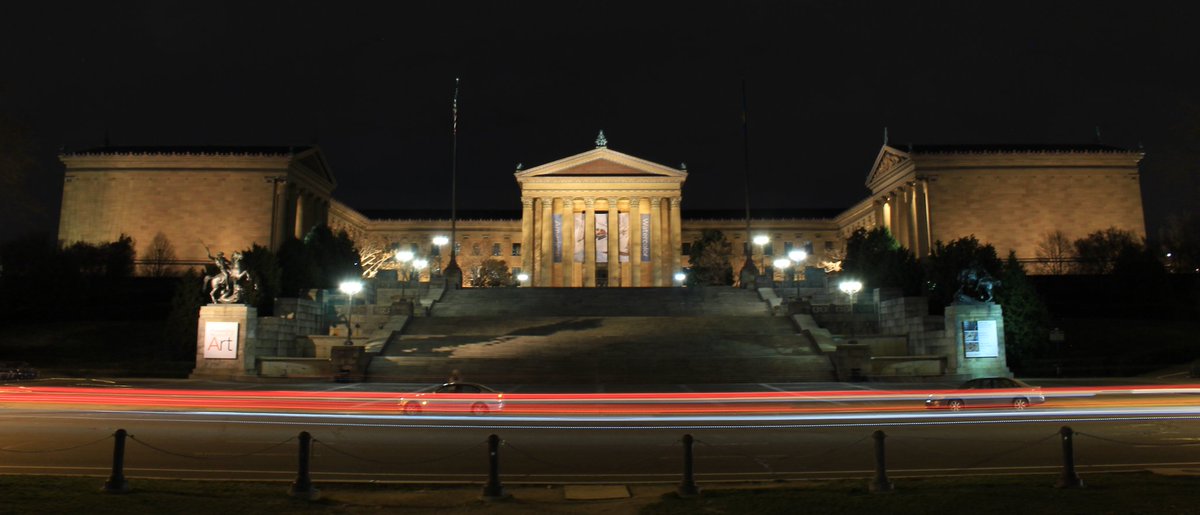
(1026, 495)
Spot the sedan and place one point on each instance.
(988, 392)
(472, 398)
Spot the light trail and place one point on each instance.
(718, 406)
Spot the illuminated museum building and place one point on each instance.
(230, 198)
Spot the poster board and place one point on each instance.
(980, 339)
(220, 340)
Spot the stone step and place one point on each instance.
(600, 302)
(586, 327)
(611, 370)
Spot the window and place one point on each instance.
(495, 249)
(516, 249)
(475, 250)
(769, 249)
(787, 248)
(808, 247)
(687, 249)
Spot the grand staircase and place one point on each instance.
(642, 336)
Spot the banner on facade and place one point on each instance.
(601, 237)
(579, 227)
(558, 238)
(220, 340)
(623, 236)
(980, 340)
(645, 238)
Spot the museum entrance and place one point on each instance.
(601, 275)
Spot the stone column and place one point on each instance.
(526, 240)
(913, 230)
(923, 239)
(656, 243)
(568, 264)
(635, 241)
(676, 239)
(589, 242)
(546, 277)
(614, 249)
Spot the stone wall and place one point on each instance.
(285, 335)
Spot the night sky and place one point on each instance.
(372, 84)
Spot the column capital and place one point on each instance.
(655, 202)
(527, 202)
(634, 201)
(612, 202)
(547, 203)
(675, 201)
(589, 202)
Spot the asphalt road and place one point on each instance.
(1115, 433)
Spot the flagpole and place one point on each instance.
(749, 272)
(453, 273)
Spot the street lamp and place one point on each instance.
(439, 241)
(850, 288)
(418, 265)
(350, 288)
(782, 264)
(680, 277)
(404, 257)
(522, 277)
(761, 240)
(797, 256)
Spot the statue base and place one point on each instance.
(978, 330)
(226, 347)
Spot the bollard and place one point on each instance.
(493, 490)
(880, 485)
(1068, 479)
(116, 483)
(687, 487)
(302, 487)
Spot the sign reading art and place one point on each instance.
(220, 340)
(980, 340)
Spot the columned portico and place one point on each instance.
(627, 232)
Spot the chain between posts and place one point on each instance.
(195, 457)
(1136, 444)
(47, 451)
(465, 450)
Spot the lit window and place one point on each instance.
(495, 249)
(516, 249)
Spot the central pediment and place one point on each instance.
(601, 162)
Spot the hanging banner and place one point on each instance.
(579, 237)
(220, 340)
(980, 339)
(558, 238)
(601, 237)
(646, 238)
(623, 236)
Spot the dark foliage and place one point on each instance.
(1097, 252)
(877, 259)
(1026, 319)
(709, 256)
(40, 278)
(492, 273)
(266, 275)
(321, 261)
(184, 317)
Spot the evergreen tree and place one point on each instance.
(709, 257)
(184, 317)
(1026, 319)
(266, 275)
(877, 259)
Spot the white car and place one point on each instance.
(988, 392)
(472, 398)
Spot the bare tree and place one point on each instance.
(1055, 253)
(160, 255)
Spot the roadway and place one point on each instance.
(250, 433)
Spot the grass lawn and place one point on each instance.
(1141, 493)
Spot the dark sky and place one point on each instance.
(372, 85)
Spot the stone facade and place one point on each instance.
(226, 198)
(1010, 197)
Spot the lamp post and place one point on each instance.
(680, 277)
(850, 288)
(761, 240)
(439, 241)
(418, 265)
(797, 256)
(404, 257)
(784, 264)
(521, 278)
(350, 288)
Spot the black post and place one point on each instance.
(880, 485)
(302, 487)
(493, 490)
(1068, 479)
(116, 483)
(687, 487)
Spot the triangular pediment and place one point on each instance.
(601, 162)
(888, 163)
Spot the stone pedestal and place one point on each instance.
(226, 347)
(972, 356)
(348, 363)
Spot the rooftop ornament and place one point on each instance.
(601, 141)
